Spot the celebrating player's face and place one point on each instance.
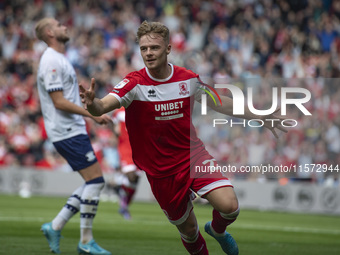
(154, 51)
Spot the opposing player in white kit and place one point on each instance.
(65, 126)
(158, 101)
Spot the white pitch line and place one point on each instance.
(22, 219)
(288, 229)
(235, 226)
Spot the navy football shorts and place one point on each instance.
(77, 151)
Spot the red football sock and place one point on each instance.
(219, 224)
(129, 192)
(198, 247)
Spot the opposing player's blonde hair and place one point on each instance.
(153, 27)
(40, 28)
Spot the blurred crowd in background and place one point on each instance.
(248, 42)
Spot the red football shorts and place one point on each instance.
(175, 193)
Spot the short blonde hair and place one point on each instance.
(153, 27)
(40, 28)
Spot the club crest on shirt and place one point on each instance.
(53, 74)
(183, 89)
(121, 84)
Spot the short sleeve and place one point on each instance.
(53, 78)
(125, 90)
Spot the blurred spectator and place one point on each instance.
(9, 42)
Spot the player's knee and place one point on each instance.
(189, 228)
(99, 181)
(228, 207)
(229, 216)
(232, 215)
(190, 232)
(234, 206)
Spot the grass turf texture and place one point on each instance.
(149, 232)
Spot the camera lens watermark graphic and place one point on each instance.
(239, 100)
(245, 147)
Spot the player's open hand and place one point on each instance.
(87, 95)
(274, 123)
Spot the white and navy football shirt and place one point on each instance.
(56, 73)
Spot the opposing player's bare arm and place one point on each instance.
(94, 105)
(61, 103)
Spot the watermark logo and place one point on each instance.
(204, 97)
(239, 100)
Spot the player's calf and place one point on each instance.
(195, 245)
(222, 220)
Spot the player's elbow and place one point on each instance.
(59, 105)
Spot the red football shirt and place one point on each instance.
(158, 119)
(124, 148)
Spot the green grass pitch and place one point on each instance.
(149, 232)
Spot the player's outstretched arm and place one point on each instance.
(62, 104)
(96, 106)
(227, 108)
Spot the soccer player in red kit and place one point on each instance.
(158, 100)
(130, 171)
